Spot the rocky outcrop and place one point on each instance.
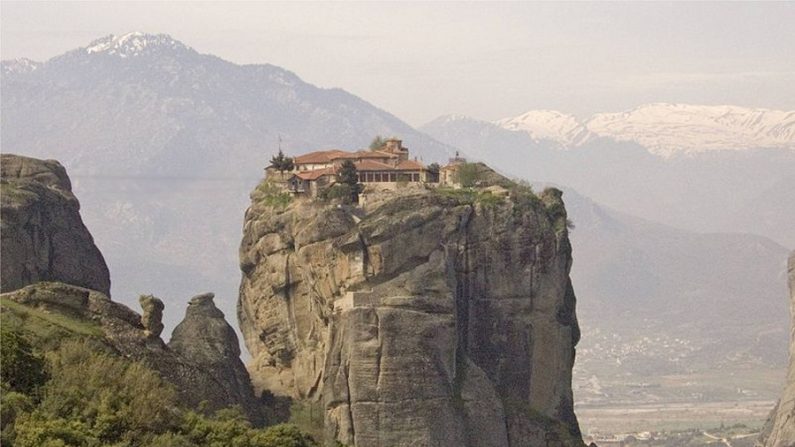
(436, 318)
(43, 236)
(152, 316)
(780, 428)
(121, 330)
(208, 341)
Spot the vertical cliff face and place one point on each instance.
(435, 318)
(43, 236)
(780, 428)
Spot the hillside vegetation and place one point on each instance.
(63, 385)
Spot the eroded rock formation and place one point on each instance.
(152, 316)
(208, 341)
(780, 428)
(436, 318)
(116, 326)
(43, 236)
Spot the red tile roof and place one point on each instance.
(315, 173)
(330, 156)
(319, 156)
(372, 154)
(409, 165)
(364, 160)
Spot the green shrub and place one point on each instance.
(377, 143)
(12, 405)
(114, 398)
(284, 435)
(462, 196)
(269, 194)
(345, 193)
(40, 429)
(467, 175)
(471, 196)
(308, 416)
(230, 428)
(43, 329)
(21, 369)
(226, 428)
(339, 191)
(487, 199)
(96, 399)
(524, 199)
(171, 440)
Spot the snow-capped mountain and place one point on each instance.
(133, 44)
(548, 125)
(21, 65)
(666, 129)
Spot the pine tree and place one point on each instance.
(348, 175)
(282, 163)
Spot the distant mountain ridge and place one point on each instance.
(664, 129)
(167, 100)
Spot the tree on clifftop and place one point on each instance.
(282, 163)
(467, 174)
(348, 175)
(377, 143)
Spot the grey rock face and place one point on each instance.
(43, 236)
(780, 428)
(434, 320)
(152, 317)
(123, 331)
(207, 340)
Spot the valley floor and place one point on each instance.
(673, 420)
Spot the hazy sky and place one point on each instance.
(486, 60)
